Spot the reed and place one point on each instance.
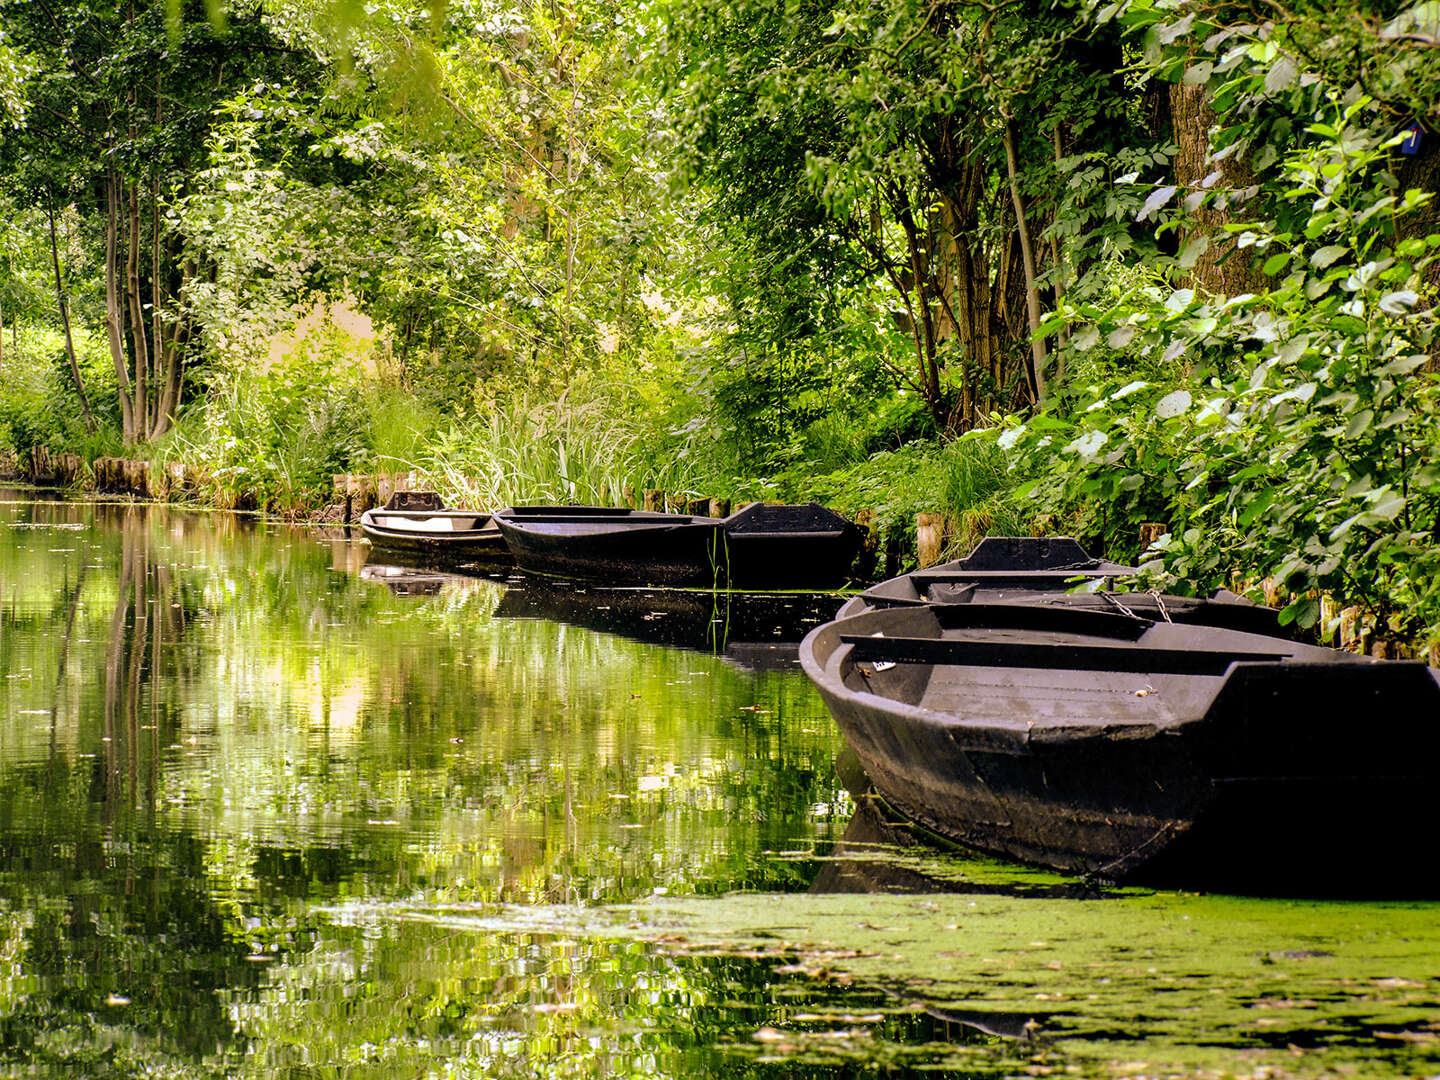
(567, 451)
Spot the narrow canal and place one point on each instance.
(267, 812)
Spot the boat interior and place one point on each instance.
(442, 522)
(1017, 665)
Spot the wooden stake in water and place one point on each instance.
(929, 536)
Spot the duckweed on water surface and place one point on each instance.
(1133, 984)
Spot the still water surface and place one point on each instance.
(266, 812)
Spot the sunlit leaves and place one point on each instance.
(1308, 452)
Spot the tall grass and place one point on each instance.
(977, 494)
(575, 450)
(964, 479)
(398, 428)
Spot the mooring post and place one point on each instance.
(929, 535)
(1329, 617)
(866, 557)
(1150, 531)
(1350, 629)
(137, 478)
(365, 492)
(1272, 591)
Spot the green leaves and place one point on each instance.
(1301, 439)
(1176, 403)
(1158, 198)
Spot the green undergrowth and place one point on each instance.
(966, 480)
(275, 441)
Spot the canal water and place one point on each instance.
(266, 811)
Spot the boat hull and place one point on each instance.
(622, 547)
(758, 547)
(419, 535)
(1253, 777)
(1273, 833)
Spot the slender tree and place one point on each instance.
(117, 106)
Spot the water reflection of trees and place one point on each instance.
(124, 952)
(210, 730)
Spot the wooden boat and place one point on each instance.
(1116, 746)
(415, 525)
(758, 546)
(799, 546)
(1054, 572)
(1000, 566)
(614, 545)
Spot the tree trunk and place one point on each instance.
(114, 330)
(135, 306)
(922, 311)
(1062, 337)
(65, 322)
(1223, 269)
(1422, 172)
(975, 285)
(170, 397)
(169, 359)
(1027, 256)
(157, 284)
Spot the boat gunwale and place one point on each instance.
(828, 676)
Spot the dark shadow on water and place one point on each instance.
(756, 631)
(882, 852)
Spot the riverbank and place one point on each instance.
(895, 542)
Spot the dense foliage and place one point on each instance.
(1073, 265)
(1286, 425)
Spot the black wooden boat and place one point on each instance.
(998, 568)
(758, 546)
(613, 545)
(1116, 746)
(799, 546)
(416, 526)
(1054, 572)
